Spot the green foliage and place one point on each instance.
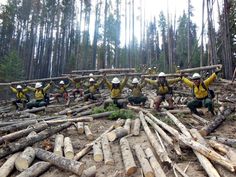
(111, 107)
(123, 114)
(11, 67)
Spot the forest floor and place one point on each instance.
(225, 95)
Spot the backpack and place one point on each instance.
(211, 93)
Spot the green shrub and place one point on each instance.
(123, 114)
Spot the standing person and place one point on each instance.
(202, 94)
(21, 96)
(116, 87)
(62, 91)
(137, 95)
(93, 92)
(163, 90)
(40, 97)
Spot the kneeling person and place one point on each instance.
(21, 96)
(62, 91)
(93, 90)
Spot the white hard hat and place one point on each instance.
(18, 87)
(196, 76)
(115, 80)
(91, 74)
(38, 85)
(135, 81)
(91, 80)
(149, 68)
(154, 67)
(61, 82)
(161, 74)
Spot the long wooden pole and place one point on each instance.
(200, 68)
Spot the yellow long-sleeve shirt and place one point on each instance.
(136, 91)
(20, 94)
(39, 93)
(116, 92)
(199, 91)
(93, 88)
(162, 89)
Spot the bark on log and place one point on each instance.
(200, 68)
(117, 133)
(108, 159)
(61, 162)
(127, 125)
(127, 156)
(8, 166)
(12, 136)
(25, 159)
(147, 169)
(35, 170)
(206, 130)
(79, 119)
(90, 172)
(157, 169)
(119, 123)
(97, 152)
(136, 127)
(68, 148)
(85, 107)
(155, 144)
(18, 126)
(206, 164)
(100, 115)
(80, 127)
(88, 133)
(24, 142)
(204, 121)
(227, 141)
(59, 142)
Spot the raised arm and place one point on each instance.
(187, 82)
(152, 82)
(209, 80)
(13, 89)
(107, 82)
(172, 81)
(123, 82)
(45, 89)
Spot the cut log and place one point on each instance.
(206, 164)
(17, 126)
(147, 169)
(31, 134)
(90, 172)
(227, 141)
(8, 166)
(136, 127)
(127, 156)
(24, 142)
(61, 162)
(97, 152)
(157, 169)
(155, 144)
(68, 148)
(101, 115)
(204, 121)
(59, 142)
(88, 133)
(119, 123)
(12, 136)
(117, 133)
(25, 159)
(89, 146)
(200, 68)
(108, 159)
(127, 125)
(35, 170)
(80, 127)
(80, 119)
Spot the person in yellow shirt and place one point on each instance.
(163, 90)
(116, 87)
(201, 92)
(40, 96)
(77, 87)
(21, 96)
(93, 90)
(62, 91)
(137, 96)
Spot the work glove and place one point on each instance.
(217, 70)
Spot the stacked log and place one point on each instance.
(68, 148)
(97, 152)
(108, 159)
(25, 159)
(88, 133)
(58, 145)
(117, 133)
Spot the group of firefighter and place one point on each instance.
(162, 85)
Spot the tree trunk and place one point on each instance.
(204, 121)
(127, 125)
(18, 126)
(117, 133)
(97, 152)
(68, 148)
(108, 159)
(136, 127)
(8, 166)
(127, 156)
(88, 133)
(61, 162)
(59, 142)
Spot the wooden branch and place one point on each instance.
(200, 68)
(155, 144)
(127, 125)
(88, 133)
(97, 152)
(108, 159)
(136, 127)
(61, 162)
(25, 159)
(59, 142)
(35, 170)
(127, 156)
(8, 166)
(24, 142)
(117, 133)
(200, 119)
(147, 170)
(68, 148)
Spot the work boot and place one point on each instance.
(199, 113)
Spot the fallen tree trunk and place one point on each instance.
(136, 127)
(158, 171)
(80, 119)
(159, 150)
(108, 159)
(100, 115)
(12, 136)
(200, 68)
(18, 126)
(8, 166)
(227, 141)
(68, 148)
(35, 170)
(147, 170)
(88, 133)
(59, 141)
(204, 121)
(24, 142)
(117, 133)
(80, 127)
(77, 110)
(97, 152)
(127, 125)
(61, 162)
(25, 159)
(127, 156)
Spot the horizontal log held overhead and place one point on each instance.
(200, 68)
